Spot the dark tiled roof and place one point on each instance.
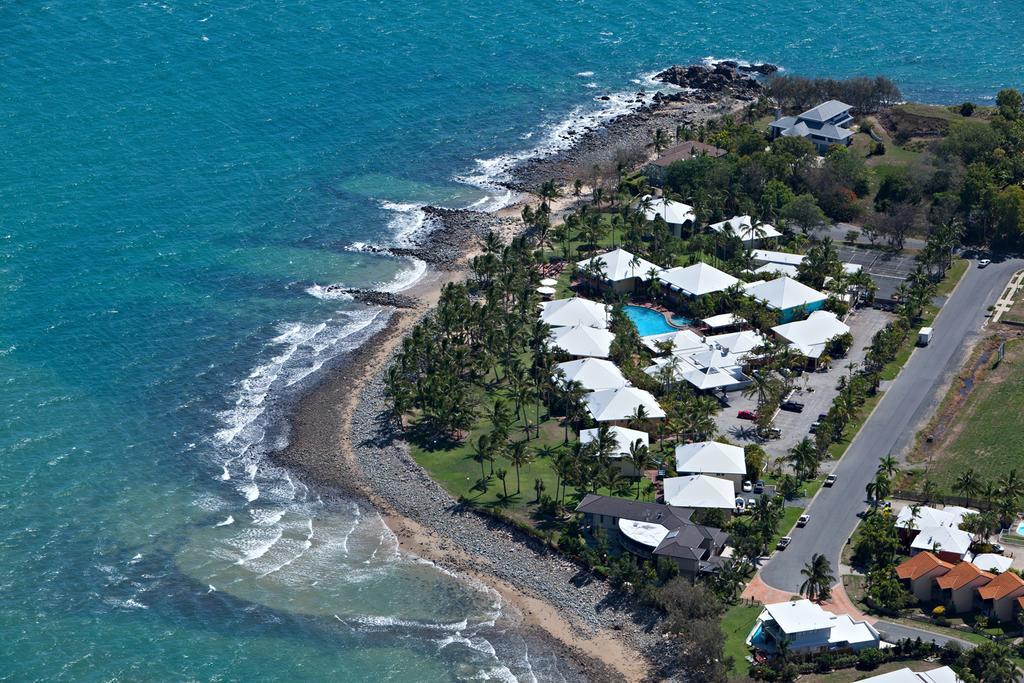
(687, 150)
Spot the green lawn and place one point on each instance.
(953, 276)
(736, 624)
(988, 437)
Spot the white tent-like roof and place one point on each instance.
(710, 378)
(683, 340)
(723, 320)
(946, 539)
(777, 269)
(623, 437)
(738, 342)
(710, 457)
(990, 562)
(699, 491)
(809, 337)
(927, 516)
(593, 374)
(582, 341)
(619, 264)
(942, 674)
(698, 279)
(742, 227)
(779, 257)
(673, 213)
(621, 404)
(784, 293)
(573, 312)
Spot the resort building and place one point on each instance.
(1002, 595)
(653, 530)
(619, 406)
(781, 258)
(620, 271)
(959, 587)
(707, 367)
(679, 216)
(913, 519)
(593, 374)
(943, 674)
(714, 459)
(622, 441)
(574, 312)
(920, 571)
(810, 337)
(747, 229)
(700, 491)
(791, 298)
(724, 321)
(809, 629)
(656, 170)
(824, 125)
(582, 341)
(681, 340)
(696, 280)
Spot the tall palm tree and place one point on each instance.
(967, 484)
(879, 488)
(659, 140)
(888, 465)
(818, 578)
(519, 456)
(640, 457)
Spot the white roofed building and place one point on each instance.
(788, 296)
(749, 231)
(700, 491)
(593, 374)
(574, 312)
(682, 340)
(618, 406)
(824, 125)
(948, 543)
(808, 628)
(622, 439)
(582, 341)
(723, 320)
(942, 674)
(696, 280)
(621, 271)
(714, 459)
(810, 337)
(679, 216)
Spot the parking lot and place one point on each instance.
(886, 269)
(816, 390)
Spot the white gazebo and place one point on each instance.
(582, 341)
(573, 312)
(593, 374)
(699, 491)
(619, 405)
(697, 279)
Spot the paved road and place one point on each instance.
(903, 407)
(892, 632)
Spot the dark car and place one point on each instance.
(759, 486)
(814, 427)
(792, 406)
(822, 416)
(747, 415)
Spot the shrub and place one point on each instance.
(870, 659)
(967, 108)
(879, 149)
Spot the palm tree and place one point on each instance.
(639, 417)
(501, 473)
(538, 488)
(659, 140)
(731, 577)
(481, 452)
(519, 456)
(818, 578)
(967, 484)
(879, 488)
(804, 458)
(640, 457)
(888, 465)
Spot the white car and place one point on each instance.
(802, 520)
(740, 505)
(747, 486)
(984, 262)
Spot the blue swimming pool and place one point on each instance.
(650, 322)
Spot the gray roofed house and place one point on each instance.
(824, 125)
(655, 530)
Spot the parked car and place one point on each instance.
(984, 262)
(802, 520)
(822, 416)
(740, 504)
(998, 548)
(813, 429)
(830, 479)
(751, 504)
(792, 406)
(759, 486)
(747, 486)
(747, 415)
(784, 542)
(773, 433)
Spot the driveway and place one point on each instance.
(816, 390)
(904, 406)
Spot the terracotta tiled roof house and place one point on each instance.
(920, 572)
(1000, 595)
(959, 586)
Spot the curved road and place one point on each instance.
(905, 404)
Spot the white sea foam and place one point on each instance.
(230, 520)
(328, 293)
(585, 74)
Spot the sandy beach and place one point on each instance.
(340, 441)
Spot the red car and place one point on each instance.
(747, 415)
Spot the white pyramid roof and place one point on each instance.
(990, 562)
(738, 342)
(710, 456)
(808, 337)
(700, 278)
(574, 311)
(620, 404)
(582, 341)
(623, 437)
(742, 227)
(723, 320)
(619, 265)
(777, 268)
(699, 491)
(682, 340)
(593, 374)
(784, 293)
(674, 213)
(706, 378)
(948, 539)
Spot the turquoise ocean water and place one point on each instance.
(179, 179)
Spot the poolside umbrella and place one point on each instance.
(548, 282)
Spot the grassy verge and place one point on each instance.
(736, 624)
(789, 517)
(849, 675)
